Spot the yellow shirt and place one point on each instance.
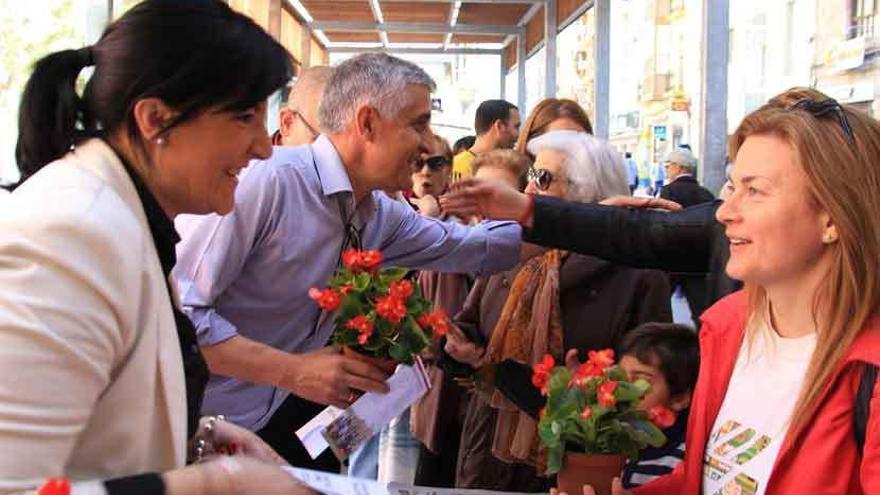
(461, 165)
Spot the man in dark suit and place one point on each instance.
(683, 187)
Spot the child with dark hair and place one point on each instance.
(667, 356)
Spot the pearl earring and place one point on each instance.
(160, 141)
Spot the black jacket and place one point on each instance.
(686, 191)
(688, 241)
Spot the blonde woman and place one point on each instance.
(786, 362)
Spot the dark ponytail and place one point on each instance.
(194, 55)
(52, 116)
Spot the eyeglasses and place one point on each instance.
(542, 177)
(434, 163)
(314, 132)
(825, 108)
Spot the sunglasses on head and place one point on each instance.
(825, 108)
(541, 177)
(434, 163)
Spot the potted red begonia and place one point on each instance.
(591, 423)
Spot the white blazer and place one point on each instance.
(91, 376)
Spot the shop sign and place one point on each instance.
(660, 132)
(849, 54)
(680, 105)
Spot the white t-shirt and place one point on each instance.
(754, 417)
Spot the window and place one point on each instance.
(864, 18)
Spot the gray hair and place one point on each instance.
(595, 169)
(375, 79)
(684, 158)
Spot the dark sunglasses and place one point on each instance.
(541, 177)
(434, 163)
(825, 108)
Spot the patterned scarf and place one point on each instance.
(529, 327)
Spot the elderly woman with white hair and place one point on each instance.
(550, 303)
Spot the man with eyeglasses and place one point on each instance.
(683, 188)
(298, 119)
(244, 278)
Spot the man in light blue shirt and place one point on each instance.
(244, 278)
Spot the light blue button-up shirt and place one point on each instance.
(248, 273)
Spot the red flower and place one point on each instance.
(370, 260)
(436, 321)
(585, 372)
(351, 258)
(541, 373)
(361, 261)
(327, 299)
(602, 359)
(588, 411)
(661, 416)
(401, 289)
(55, 486)
(390, 308)
(345, 289)
(605, 394)
(440, 323)
(424, 321)
(364, 327)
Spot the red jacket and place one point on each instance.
(823, 458)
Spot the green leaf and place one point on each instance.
(557, 389)
(655, 436)
(400, 353)
(345, 338)
(351, 306)
(361, 282)
(420, 339)
(629, 392)
(642, 385)
(554, 460)
(549, 438)
(616, 374)
(393, 274)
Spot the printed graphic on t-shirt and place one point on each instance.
(730, 450)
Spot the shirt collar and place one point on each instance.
(331, 171)
(334, 179)
(162, 229)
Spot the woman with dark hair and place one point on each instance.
(101, 379)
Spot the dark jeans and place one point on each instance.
(280, 434)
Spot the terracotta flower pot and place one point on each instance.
(596, 470)
(386, 365)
